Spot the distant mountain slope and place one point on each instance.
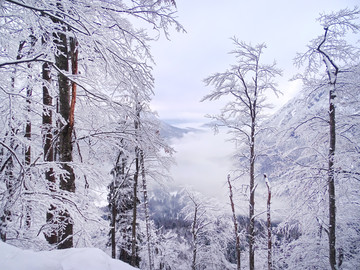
(298, 132)
(282, 138)
(168, 131)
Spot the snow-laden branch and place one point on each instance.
(13, 154)
(21, 61)
(47, 12)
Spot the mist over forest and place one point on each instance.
(91, 177)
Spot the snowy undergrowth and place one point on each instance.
(13, 258)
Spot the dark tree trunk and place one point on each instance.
(331, 182)
(8, 167)
(47, 127)
(119, 205)
(113, 228)
(67, 181)
(134, 256)
(28, 154)
(28, 101)
(10, 190)
(28, 127)
(28, 133)
(332, 71)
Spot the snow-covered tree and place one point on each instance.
(319, 150)
(236, 225)
(246, 82)
(210, 235)
(338, 56)
(77, 62)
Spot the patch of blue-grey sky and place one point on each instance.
(182, 63)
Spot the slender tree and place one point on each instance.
(336, 55)
(48, 149)
(29, 91)
(268, 224)
(146, 209)
(120, 204)
(236, 226)
(198, 224)
(67, 180)
(247, 82)
(11, 144)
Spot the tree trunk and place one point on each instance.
(134, 259)
(118, 205)
(74, 52)
(47, 127)
(113, 227)
(8, 167)
(28, 101)
(10, 193)
(237, 237)
(332, 71)
(67, 180)
(331, 182)
(268, 215)
(252, 197)
(28, 153)
(147, 217)
(28, 134)
(194, 236)
(134, 256)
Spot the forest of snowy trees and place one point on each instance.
(77, 133)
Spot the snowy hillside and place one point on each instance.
(290, 127)
(13, 258)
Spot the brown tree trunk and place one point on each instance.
(74, 71)
(67, 180)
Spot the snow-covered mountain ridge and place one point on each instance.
(168, 131)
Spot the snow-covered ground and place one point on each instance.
(13, 258)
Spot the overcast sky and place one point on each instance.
(182, 63)
(286, 26)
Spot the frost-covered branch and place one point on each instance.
(20, 61)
